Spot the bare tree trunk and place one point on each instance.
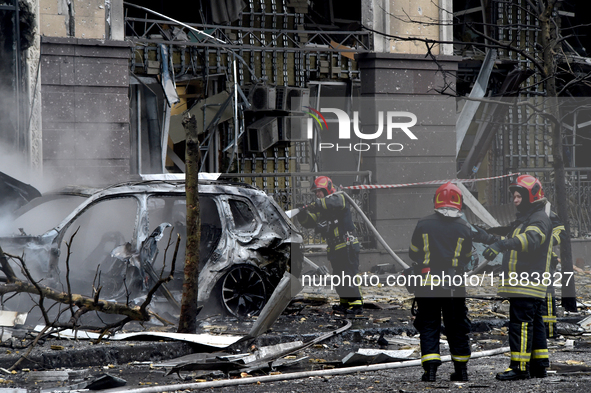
(189, 310)
(549, 39)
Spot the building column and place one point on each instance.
(409, 83)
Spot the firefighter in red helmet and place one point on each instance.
(324, 185)
(441, 244)
(330, 216)
(527, 250)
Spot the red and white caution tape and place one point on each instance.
(377, 186)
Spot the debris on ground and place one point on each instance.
(365, 356)
(308, 336)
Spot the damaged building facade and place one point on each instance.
(106, 85)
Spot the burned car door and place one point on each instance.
(173, 209)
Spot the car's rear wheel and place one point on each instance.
(243, 292)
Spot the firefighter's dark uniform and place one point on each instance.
(549, 306)
(331, 218)
(527, 252)
(442, 245)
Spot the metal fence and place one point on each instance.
(291, 189)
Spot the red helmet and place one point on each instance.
(448, 195)
(528, 185)
(323, 183)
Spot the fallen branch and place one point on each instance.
(144, 307)
(91, 304)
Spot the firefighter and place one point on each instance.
(330, 216)
(527, 251)
(442, 244)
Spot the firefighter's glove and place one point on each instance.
(479, 235)
(313, 207)
(493, 250)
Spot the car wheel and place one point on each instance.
(243, 292)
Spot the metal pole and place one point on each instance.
(17, 73)
(375, 231)
(235, 107)
(139, 128)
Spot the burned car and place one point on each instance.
(118, 237)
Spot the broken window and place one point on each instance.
(44, 214)
(173, 209)
(341, 15)
(244, 218)
(468, 15)
(99, 230)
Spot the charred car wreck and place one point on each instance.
(117, 238)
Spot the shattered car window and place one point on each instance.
(174, 211)
(99, 230)
(244, 218)
(42, 214)
(211, 227)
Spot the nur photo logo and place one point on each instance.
(388, 121)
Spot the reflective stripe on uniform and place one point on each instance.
(556, 233)
(343, 200)
(538, 230)
(520, 356)
(550, 319)
(522, 237)
(457, 252)
(307, 216)
(523, 344)
(460, 358)
(533, 291)
(343, 245)
(352, 303)
(540, 354)
(430, 356)
(426, 249)
(513, 253)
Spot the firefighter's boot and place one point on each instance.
(460, 372)
(514, 373)
(430, 372)
(537, 371)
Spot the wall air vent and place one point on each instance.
(262, 134)
(292, 99)
(262, 97)
(292, 128)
